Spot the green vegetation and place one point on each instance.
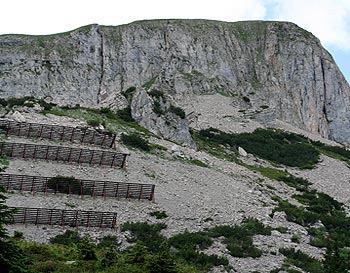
(26, 101)
(125, 114)
(129, 93)
(149, 84)
(274, 145)
(238, 239)
(303, 261)
(68, 238)
(198, 163)
(136, 141)
(64, 184)
(159, 214)
(156, 93)
(177, 111)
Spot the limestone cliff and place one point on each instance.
(276, 69)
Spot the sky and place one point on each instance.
(329, 20)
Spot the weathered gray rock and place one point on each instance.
(265, 65)
(164, 123)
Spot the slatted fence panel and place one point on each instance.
(56, 132)
(83, 187)
(63, 154)
(72, 218)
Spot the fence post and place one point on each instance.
(50, 137)
(32, 189)
(104, 190)
(113, 160)
(8, 128)
(113, 140)
(102, 155)
(62, 137)
(30, 126)
(92, 158)
(51, 212)
(72, 136)
(152, 197)
(41, 131)
(37, 216)
(8, 182)
(124, 162)
(47, 152)
(140, 195)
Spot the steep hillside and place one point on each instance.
(273, 70)
(202, 190)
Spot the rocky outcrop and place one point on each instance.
(155, 113)
(274, 69)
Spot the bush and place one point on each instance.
(68, 238)
(148, 234)
(134, 140)
(177, 111)
(201, 260)
(125, 114)
(156, 93)
(93, 122)
(189, 240)
(87, 249)
(64, 184)
(238, 239)
(159, 214)
(19, 101)
(128, 93)
(157, 108)
(302, 260)
(107, 112)
(275, 145)
(108, 241)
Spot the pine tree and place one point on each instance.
(163, 262)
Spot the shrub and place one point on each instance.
(188, 240)
(157, 108)
(19, 101)
(107, 112)
(87, 249)
(159, 214)
(128, 93)
(201, 260)
(177, 111)
(149, 84)
(238, 239)
(108, 241)
(64, 184)
(275, 145)
(93, 122)
(68, 238)
(302, 260)
(156, 93)
(136, 141)
(125, 114)
(148, 234)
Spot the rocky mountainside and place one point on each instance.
(272, 70)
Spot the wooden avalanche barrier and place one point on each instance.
(80, 187)
(63, 154)
(56, 132)
(61, 217)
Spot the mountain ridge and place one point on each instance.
(276, 70)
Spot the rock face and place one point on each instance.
(274, 69)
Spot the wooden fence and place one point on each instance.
(63, 154)
(80, 187)
(72, 218)
(56, 132)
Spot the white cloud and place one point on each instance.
(329, 20)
